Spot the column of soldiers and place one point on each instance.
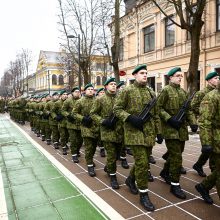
(132, 119)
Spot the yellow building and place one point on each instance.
(149, 37)
(50, 73)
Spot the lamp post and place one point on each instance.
(79, 58)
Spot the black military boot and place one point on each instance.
(152, 160)
(199, 170)
(102, 152)
(78, 153)
(114, 182)
(150, 176)
(91, 171)
(48, 141)
(204, 193)
(165, 156)
(145, 202)
(124, 163)
(64, 150)
(56, 145)
(38, 134)
(130, 182)
(165, 175)
(182, 170)
(75, 158)
(43, 137)
(177, 191)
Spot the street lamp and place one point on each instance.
(79, 56)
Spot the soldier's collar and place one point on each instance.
(140, 85)
(174, 85)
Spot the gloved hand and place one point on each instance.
(59, 117)
(107, 123)
(194, 128)
(174, 123)
(45, 116)
(136, 122)
(70, 118)
(159, 138)
(87, 121)
(207, 149)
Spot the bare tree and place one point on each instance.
(190, 14)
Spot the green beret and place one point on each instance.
(99, 90)
(211, 75)
(139, 67)
(173, 71)
(87, 86)
(120, 84)
(112, 79)
(75, 88)
(62, 91)
(55, 93)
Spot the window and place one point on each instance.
(166, 80)
(169, 32)
(60, 79)
(98, 80)
(151, 82)
(121, 50)
(103, 79)
(218, 14)
(149, 38)
(54, 79)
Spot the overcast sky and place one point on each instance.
(28, 24)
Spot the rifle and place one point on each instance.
(145, 113)
(182, 111)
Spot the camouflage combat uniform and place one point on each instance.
(73, 127)
(89, 133)
(195, 104)
(209, 124)
(170, 101)
(131, 101)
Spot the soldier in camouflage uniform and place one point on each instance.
(2, 105)
(100, 92)
(175, 132)
(110, 130)
(57, 115)
(72, 125)
(52, 120)
(138, 135)
(209, 124)
(21, 103)
(89, 131)
(212, 80)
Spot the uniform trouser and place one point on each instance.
(37, 125)
(214, 178)
(90, 148)
(203, 159)
(43, 126)
(111, 148)
(31, 120)
(55, 133)
(47, 130)
(122, 150)
(174, 161)
(75, 140)
(64, 135)
(139, 170)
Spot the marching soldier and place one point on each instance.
(90, 132)
(100, 92)
(138, 134)
(111, 136)
(52, 120)
(175, 132)
(212, 80)
(72, 125)
(57, 115)
(209, 124)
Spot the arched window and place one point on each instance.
(98, 80)
(54, 79)
(60, 80)
(103, 79)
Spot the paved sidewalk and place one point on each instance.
(33, 186)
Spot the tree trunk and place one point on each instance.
(192, 75)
